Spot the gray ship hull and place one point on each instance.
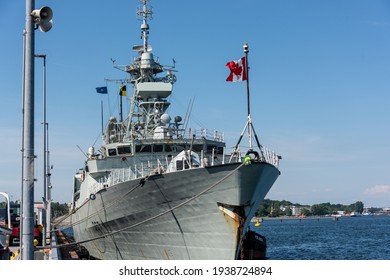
(196, 214)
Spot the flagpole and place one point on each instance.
(121, 105)
(101, 115)
(249, 123)
(246, 51)
(122, 89)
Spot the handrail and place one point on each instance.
(117, 176)
(119, 133)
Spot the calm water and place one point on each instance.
(349, 238)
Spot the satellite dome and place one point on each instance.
(165, 119)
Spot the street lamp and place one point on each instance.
(41, 18)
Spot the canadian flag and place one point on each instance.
(237, 70)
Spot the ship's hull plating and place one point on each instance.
(169, 216)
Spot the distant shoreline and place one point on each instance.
(254, 219)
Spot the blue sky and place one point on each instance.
(320, 86)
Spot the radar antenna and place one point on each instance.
(144, 12)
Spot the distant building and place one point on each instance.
(386, 210)
(38, 211)
(296, 211)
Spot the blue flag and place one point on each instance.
(102, 90)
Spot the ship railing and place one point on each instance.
(265, 155)
(126, 174)
(270, 156)
(118, 133)
(117, 176)
(142, 170)
(96, 187)
(206, 134)
(148, 168)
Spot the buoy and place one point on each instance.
(257, 224)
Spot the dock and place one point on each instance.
(56, 249)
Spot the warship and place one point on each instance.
(156, 189)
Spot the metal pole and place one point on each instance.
(44, 201)
(121, 112)
(48, 186)
(28, 141)
(246, 51)
(44, 155)
(22, 142)
(101, 115)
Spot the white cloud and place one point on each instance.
(377, 190)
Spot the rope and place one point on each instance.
(70, 214)
(149, 219)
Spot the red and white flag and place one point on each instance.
(237, 70)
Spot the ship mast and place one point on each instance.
(148, 101)
(144, 12)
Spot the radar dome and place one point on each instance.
(165, 119)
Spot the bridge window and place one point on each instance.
(157, 148)
(179, 165)
(197, 148)
(143, 149)
(180, 148)
(124, 150)
(112, 152)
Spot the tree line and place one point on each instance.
(269, 208)
(57, 209)
(275, 208)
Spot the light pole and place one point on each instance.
(41, 18)
(48, 185)
(44, 151)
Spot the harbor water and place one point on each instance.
(347, 238)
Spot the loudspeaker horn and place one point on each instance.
(43, 18)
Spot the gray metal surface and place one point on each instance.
(196, 230)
